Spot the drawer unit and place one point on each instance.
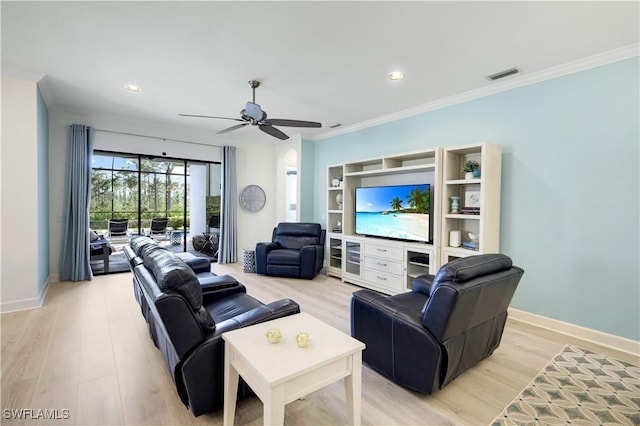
(384, 265)
(387, 252)
(387, 283)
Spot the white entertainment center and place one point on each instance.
(388, 265)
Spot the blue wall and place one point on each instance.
(43, 192)
(570, 186)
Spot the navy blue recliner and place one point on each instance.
(296, 250)
(425, 338)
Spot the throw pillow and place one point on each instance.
(93, 236)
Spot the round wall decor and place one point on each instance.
(252, 198)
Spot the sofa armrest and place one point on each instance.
(278, 309)
(220, 290)
(199, 264)
(202, 378)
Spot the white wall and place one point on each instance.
(255, 165)
(19, 195)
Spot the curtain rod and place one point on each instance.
(156, 137)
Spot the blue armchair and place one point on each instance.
(296, 250)
(425, 338)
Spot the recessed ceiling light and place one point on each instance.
(396, 75)
(133, 88)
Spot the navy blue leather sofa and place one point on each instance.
(187, 308)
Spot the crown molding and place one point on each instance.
(584, 64)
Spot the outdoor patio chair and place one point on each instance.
(118, 227)
(158, 227)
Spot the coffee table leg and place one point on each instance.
(231, 378)
(274, 407)
(353, 388)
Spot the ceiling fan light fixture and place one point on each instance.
(396, 75)
(133, 88)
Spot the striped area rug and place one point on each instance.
(578, 387)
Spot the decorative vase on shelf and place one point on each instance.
(468, 175)
(476, 173)
(455, 205)
(339, 200)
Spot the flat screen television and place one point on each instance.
(399, 212)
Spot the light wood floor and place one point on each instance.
(87, 350)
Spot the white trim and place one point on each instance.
(590, 335)
(512, 83)
(24, 304)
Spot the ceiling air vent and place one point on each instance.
(503, 74)
(333, 126)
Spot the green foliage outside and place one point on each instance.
(114, 194)
(418, 202)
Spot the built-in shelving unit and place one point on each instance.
(389, 266)
(478, 199)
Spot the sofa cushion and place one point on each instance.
(172, 273)
(138, 243)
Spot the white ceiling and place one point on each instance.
(319, 61)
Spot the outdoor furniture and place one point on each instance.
(158, 227)
(100, 249)
(118, 227)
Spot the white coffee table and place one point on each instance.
(283, 372)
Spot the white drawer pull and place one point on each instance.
(382, 264)
(381, 249)
(381, 278)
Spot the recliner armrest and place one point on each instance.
(262, 250)
(378, 301)
(422, 284)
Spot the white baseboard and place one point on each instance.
(616, 342)
(24, 304)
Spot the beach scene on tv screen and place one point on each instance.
(400, 212)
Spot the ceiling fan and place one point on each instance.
(254, 115)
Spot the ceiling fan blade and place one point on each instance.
(292, 123)
(267, 128)
(231, 129)
(210, 116)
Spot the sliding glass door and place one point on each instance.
(170, 200)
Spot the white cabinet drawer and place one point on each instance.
(391, 283)
(383, 265)
(379, 250)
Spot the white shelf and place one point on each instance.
(462, 216)
(392, 170)
(475, 181)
